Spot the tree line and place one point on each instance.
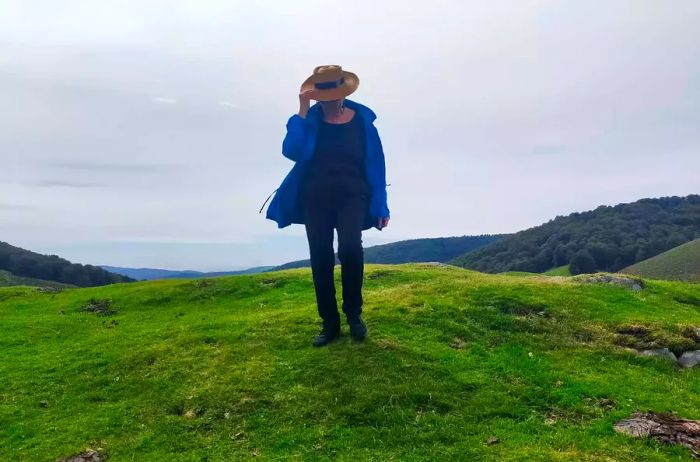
(440, 249)
(608, 238)
(21, 262)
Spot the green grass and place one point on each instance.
(559, 271)
(8, 279)
(222, 369)
(681, 263)
(518, 273)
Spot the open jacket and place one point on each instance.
(298, 146)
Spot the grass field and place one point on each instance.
(459, 365)
(681, 263)
(559, 271)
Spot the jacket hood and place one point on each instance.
(364, 111)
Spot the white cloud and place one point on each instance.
(494, 116)
(227, 104)
(162, 100)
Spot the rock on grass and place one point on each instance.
(665, 428)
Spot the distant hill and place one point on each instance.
(27, 264)
(605, 239)
(440, 249)
(681, 263)
(147, 274)
(8, 279)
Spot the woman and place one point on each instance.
(338, 182)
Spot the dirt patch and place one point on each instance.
(102, 307)
(640, 332)
(271, 282)
(521, 309)
(692, 333)
(379, 274)
(584, 335)
(650, 338)
(87, 456)
(438, 264)
(458, 343)
(49, 290)
(665, 428)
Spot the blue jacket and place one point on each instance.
(298, 146)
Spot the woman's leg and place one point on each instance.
(351, 213)
(319, 223)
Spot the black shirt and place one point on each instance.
(338, 163)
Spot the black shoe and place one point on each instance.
(358, 328)
(326, 336)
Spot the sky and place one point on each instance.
(148, 133)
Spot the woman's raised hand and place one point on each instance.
(304, 98)
(307, 95)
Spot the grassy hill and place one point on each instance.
(25, 263)
(142, 274)
(459, 365)
(440, 249)
(8, 279)
(560, 271)
(681, 263)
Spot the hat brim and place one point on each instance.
(350, 84)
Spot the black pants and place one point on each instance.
(346, 212)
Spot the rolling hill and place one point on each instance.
(147, 274)
(608, 238)
(24, 263)
(440, 249)
(681, 263)
(459, 365)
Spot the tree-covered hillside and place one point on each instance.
(605, 239)
(25, 263)
(440, 249)
(8, 279)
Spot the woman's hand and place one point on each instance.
(304, 100)
(307, 95)
(383, 222)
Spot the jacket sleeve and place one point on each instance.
(294, 140)
(378, 201)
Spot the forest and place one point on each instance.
(607, 238)
(21, 262)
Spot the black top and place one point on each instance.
(338, 163)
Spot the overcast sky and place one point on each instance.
(148, 133)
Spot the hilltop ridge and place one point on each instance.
(459, 365)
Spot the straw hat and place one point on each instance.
(331, 82)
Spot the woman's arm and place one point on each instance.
(377, 180)
(293, 143)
